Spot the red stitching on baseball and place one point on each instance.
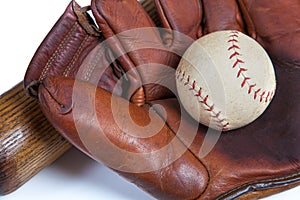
(238, 61)
(183, 75)
(234, 54)
(211, 108)
(268, 95)
(187, 80)
(223, 127)
(203, 99)
(240, 71)
(217, 115)
(262, 95)
(193, 85)
(234, 35)
(256, 93)
(198, 94)
(234, 46)
(251, 87)
(245, 81)
(232, 40)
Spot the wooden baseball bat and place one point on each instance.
(28, 142)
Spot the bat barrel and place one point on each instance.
(28, 142)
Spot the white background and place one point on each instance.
(74, 176)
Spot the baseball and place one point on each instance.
(225, 80)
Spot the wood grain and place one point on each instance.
(28, 142)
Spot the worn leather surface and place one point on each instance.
(130, 57)
(55, 95)
(251, 162)
(72, 44)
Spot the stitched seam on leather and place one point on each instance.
(288, 178)
(59, 48)
(203, 99)
(258, 93)
(92, 67)
(76, 56)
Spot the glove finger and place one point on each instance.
(198, 17)
(276, 27)
(136, 42)
(183, 16)
(101, 138)
(245, 162)
(70, 43)
(222, 15)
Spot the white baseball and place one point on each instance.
(225, 80)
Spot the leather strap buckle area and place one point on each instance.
(85, 19)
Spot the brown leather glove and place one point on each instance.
(255, 161)
(68, 47)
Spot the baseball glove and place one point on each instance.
(151, 141)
